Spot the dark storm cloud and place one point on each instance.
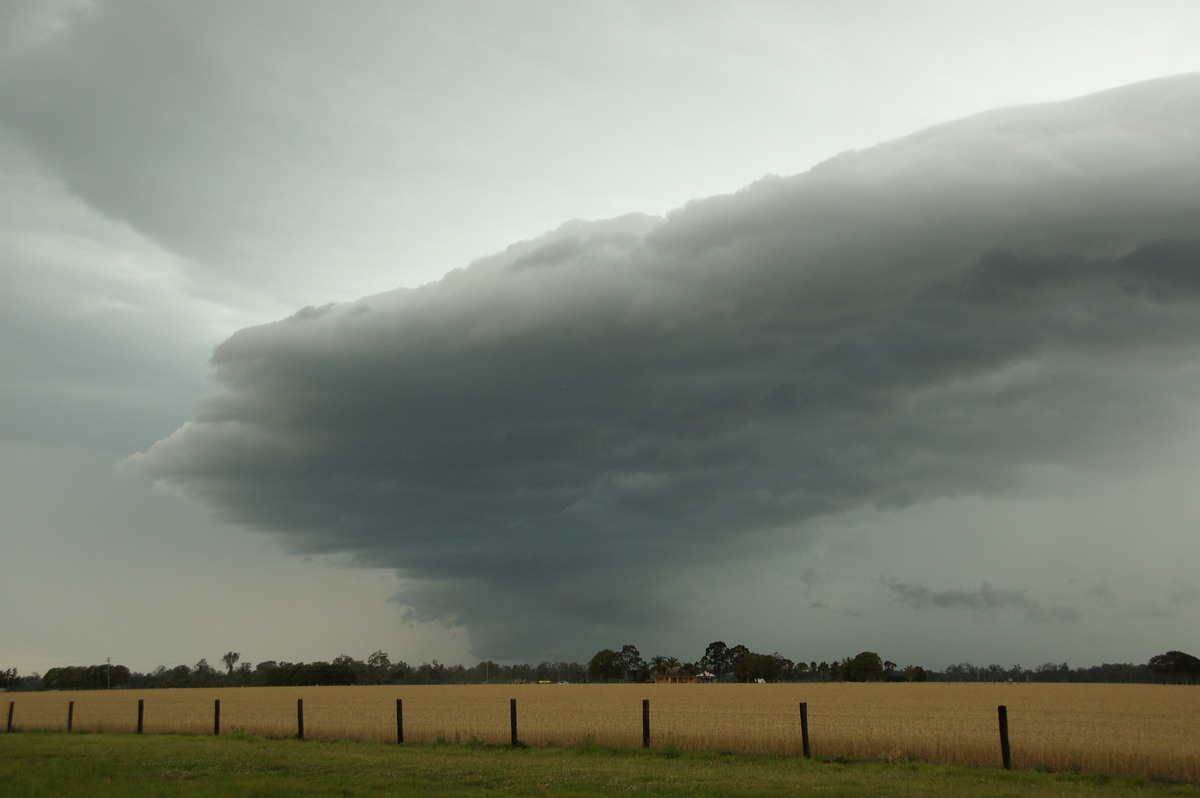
(541, 440)
(987, 597)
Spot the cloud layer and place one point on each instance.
(988, 598)
(539, 441)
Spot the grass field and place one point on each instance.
(128, 766)
(1133, 730)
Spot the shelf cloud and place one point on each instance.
(539, 442)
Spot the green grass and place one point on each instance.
(36, 764)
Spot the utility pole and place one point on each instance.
(108, 674)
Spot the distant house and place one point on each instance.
(677, 676)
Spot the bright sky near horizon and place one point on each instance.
(934, 398)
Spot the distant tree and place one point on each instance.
(1120, 673)
(661, 665)
(522, 672)
(632, 664)
(313, 673)
(720, 659)
(487, 672)
(716, 659)
(114, 675)
(61, 679)
(867, 666)
(9, 679)
(787, 668)
(203, 675)
(178, 676)
(321, 673)
(752, 667)
(1175, 667)
(735, 655)
(91, 677)
(1050, 672)
(430, 673)
(230, 659)
(961, 672)
(628, 663)
(258, 677)
(378, 667)
(606, 666)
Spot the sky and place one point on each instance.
(520, 330)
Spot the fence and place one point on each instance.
(514, 735)
(1149, 731)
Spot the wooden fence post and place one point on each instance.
(399, 721)
(8, 728)
(1005, 753)
(645, 723)
(804, 730)
(216, 717)
(141, 713)
(70, 714)
(300, 718)
(512, 719)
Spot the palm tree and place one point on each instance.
(662, 666)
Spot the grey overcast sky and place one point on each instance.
(518, 330)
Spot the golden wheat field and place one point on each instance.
(1146, 730)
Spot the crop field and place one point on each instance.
(1136, 730)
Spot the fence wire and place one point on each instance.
(1147, 732)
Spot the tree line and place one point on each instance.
(720, 662)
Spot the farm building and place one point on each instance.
(678, 676)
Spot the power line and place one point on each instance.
(95, 660)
